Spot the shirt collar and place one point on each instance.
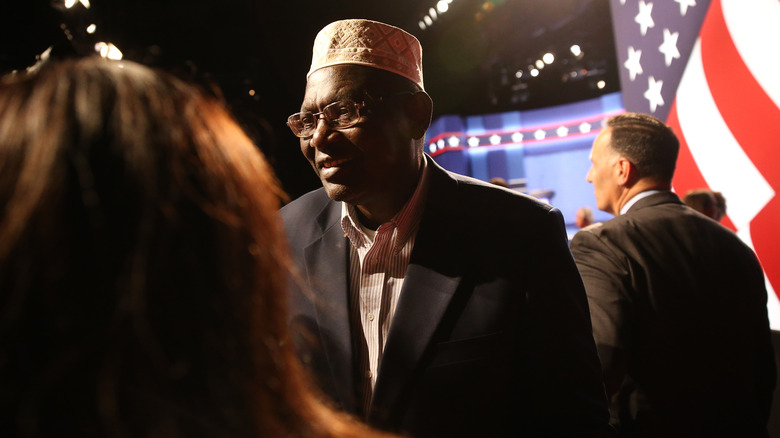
(636, 198)
(406, 220)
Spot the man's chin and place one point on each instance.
(340, 192)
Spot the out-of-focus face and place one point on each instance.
(603, 173)
(366, 163)
(581, 219)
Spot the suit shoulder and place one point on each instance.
(308, 204)
(489, 198)
(306, 217)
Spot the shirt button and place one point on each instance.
(370, 316)
(369, 374)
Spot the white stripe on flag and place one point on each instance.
(754, 26)
(720, 158)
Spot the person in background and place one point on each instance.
(720, 202)
(678, 301)
(583, 217)
(703, 201)
(428, 302)
(142, 265)
(501, 182)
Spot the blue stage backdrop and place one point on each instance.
(543, 152)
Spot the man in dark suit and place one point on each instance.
(678, 302)
(427, 302)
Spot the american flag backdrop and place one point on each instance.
(711, 69)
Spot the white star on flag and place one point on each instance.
(632, 64)
(684, 4)
(669, 47)
(645, 16)
(653, 93)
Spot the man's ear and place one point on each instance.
(627, 174)
(419, 110)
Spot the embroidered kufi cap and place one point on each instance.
(370, 43)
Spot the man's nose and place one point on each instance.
(321, 133)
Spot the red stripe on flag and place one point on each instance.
(687, 175)
(753, 119)
(750, 114)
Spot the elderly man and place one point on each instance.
(427, 302)
(678, 302)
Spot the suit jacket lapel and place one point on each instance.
(424, 298)
(429, 286)
(327, 262)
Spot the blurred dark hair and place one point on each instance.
(649, 144)
(703, 201)
(142, 265)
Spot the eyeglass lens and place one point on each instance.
(341, 114)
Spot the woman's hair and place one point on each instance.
(142, 265)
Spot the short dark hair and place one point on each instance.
(649, 144)
(703, 201)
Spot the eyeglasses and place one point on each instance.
(338, 115)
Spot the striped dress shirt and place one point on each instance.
(378, 262)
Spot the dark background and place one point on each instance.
(470, 54)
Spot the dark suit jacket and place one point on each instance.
(679, 316)
(491, 336)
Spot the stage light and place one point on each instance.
(495, 139)
(548, 58)
(562, 131)
(440, 143)
(70, 3)
(432, 13)
(539, 64)
(601, 84)
(454, 141)
(585, 127)
(443, 6)
(517, 137)
(91, 28)
(576, 50)
(422, 25)
(432, 147)
(534, 72)
(540, 134)
(473, 142)
(428, 20)
(108, 50)
(251, 92)
(519, 74)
